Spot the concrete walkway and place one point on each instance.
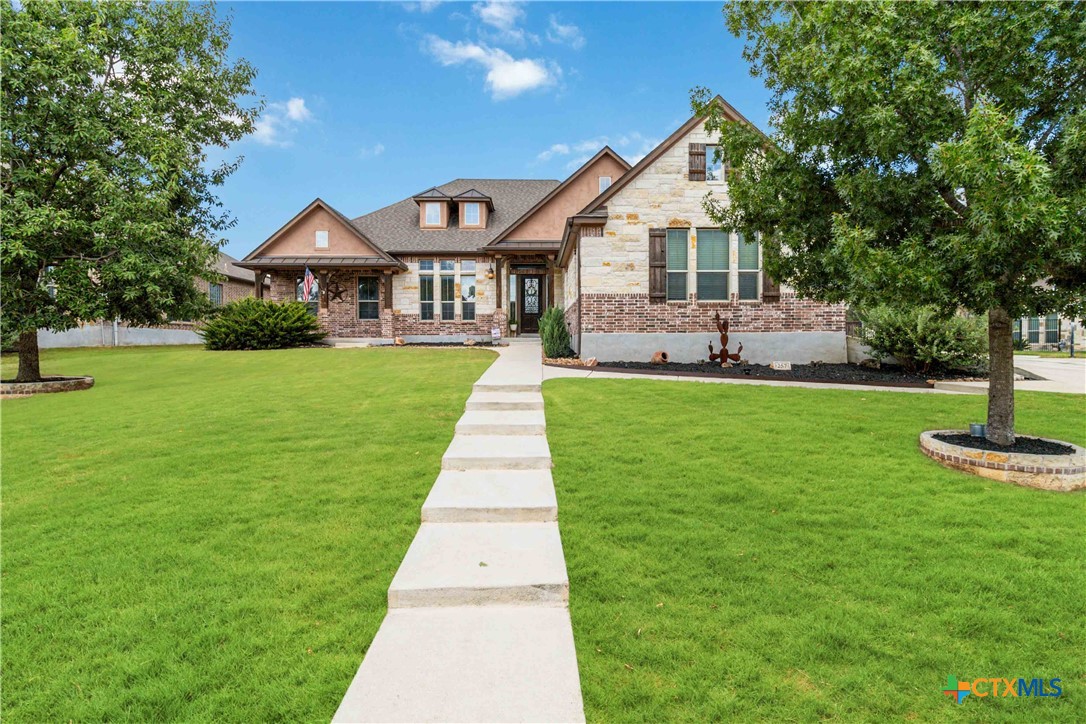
(478, 627)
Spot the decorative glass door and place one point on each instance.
(531, 302)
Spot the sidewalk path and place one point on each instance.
(478, 627)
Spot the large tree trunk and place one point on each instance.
(29, 367)
(1000, 378)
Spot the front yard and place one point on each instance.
(767, 554)
(210, 536)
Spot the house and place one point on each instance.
(628, 252)
(1049, 332)
(233, 282)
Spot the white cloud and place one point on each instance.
(633, 146)
(563, 34)
(423, 7)
(276, 126)
(558, 149)
(372, 151)
(506, 76)
(503, 16)
(296, 110)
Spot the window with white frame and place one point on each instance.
(322, 239)
(713, 265)
(749, 268)
(433, 213)
(426, 289)
(369, 293)
(1052, 329)
(678, 245)
(605, 183)
(314, 293)
(467, 290)
(448, 289)
(471, 213)
(714, 165)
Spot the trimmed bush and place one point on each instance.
(256, 324)
(926, 339)
(554, 333)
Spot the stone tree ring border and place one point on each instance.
(48, 384)
(1047, 472)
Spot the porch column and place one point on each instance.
(258, 292)
(323, 291)
(550, 281)
(498, 282)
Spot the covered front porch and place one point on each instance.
(528, 281)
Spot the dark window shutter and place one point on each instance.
(771, 290)
(697, 161)
(657, 265)
(388, 291)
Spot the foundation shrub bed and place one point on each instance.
(554, 334)
(926, 339)
(257, 324)
(1022, 444)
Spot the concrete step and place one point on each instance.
(502, 422)
(506, 387)
(505, 401)
(497, 452)
(472, 564)
(491, 496)
(492, 664)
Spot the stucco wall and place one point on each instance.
(300, 238)
(549, 221)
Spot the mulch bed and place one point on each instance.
(1026, 445)
(843, 373)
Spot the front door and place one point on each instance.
(530, 302)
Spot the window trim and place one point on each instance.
(318, 236)
(426, 206)
(478, 214)
(1055, 331)
(312, 304)
(463, 300)
(603, 187)
(710, 157)
(1034, 330)
(726, 271)
(211, 297)
(376, 301)
(426, 274)
(443, 274)
(756, 271)
(668, 271)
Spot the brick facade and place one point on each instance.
(232, 289)
(634, 314)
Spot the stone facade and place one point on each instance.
(614, 269)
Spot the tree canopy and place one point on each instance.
(922, 153)
(107, 192)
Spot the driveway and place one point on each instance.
(1061, 374)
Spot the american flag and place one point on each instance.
(307, 284)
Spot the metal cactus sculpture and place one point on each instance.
(724, 356)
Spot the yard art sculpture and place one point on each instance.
(724, 356)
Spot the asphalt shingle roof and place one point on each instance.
(395, 228)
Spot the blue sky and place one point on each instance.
(371, 102)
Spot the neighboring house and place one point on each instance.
(235, 284)
(628, 253)
(1049, 332)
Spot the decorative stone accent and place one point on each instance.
(48, 384)
(1047, 472)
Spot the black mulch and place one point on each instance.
(886, 375)
(1027, 445)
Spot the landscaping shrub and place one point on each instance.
(554, 333)
(256, 324)
(926, 339)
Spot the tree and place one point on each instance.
(924, 153)
(106, 191)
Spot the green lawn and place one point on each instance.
(766, 554)
(1051, 353)
(209, 536)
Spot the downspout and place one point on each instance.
(580, 302)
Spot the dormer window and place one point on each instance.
(433, 208)
(433, 213)
(475, 207)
